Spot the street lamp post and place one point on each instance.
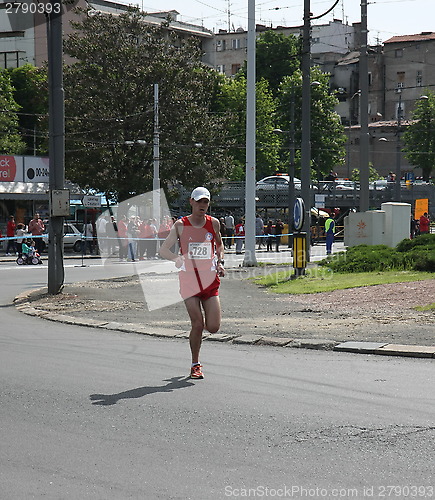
(156, 157)
(398, 148)
(291, 175)
(427, 119)
(250, 258)
(291, 169)
(351, 114)
(364, 106)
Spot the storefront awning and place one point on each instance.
(23, 191)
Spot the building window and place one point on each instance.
(400, 111)
(9, 60)
(235, 43)
(419, 79)
(400, 79)
(235, 69)
(220, 68)
(220, 45)
(398, 53)
(370, 76)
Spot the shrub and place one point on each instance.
(424, 240)
(417, 254)
(365, 258)
(424, 261)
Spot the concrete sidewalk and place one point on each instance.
(251, 315)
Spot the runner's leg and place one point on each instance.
(193, 306)
(212, 310)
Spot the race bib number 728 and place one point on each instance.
(200, 251)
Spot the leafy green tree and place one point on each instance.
(31, 94)
(10, 139)
(231, 99)
(277, 56)
(373, 174)
(327, 132)
(109, 103)
(419, 137)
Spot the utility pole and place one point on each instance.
(291, 167)
(56, 272)
(364, 113)
(250, 205)
(229, 15)
(306, 125)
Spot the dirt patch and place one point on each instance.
(381, 313)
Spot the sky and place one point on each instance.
(385, 18)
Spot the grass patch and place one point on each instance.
(428, 307)
(273, 264)
(320, 279)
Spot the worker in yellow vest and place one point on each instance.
(330, 231)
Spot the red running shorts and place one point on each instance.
(192, 285)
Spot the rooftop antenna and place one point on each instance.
(229, 15)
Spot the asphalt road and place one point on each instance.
(86, 413)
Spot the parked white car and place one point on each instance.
(345, 185)
(277, 182)
(380, 184)
(72, 237)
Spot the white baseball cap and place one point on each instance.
(199, 193)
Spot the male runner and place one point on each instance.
(201, 265)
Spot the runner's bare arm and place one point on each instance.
(171, 240)
(219, 247)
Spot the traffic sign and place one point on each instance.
(298, 214)
(91, 201)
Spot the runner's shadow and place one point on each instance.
(139, 392)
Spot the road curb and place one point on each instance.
(385, 349)
(23, 303)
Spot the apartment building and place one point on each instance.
(399, 75)
(400, 71)
(23, 36)
(226, 52)
(345, 82)
(409, 71)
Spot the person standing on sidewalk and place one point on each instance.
(259, 230)
(10, 233)
(279, 228)
(330, 232)
(270, 235)
(201, 265)
(20, 233)
(424, 224)
(88, 238)
(122, 237)
(37, 228)
(229, 223)
(240, 236)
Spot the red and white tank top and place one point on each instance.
(198, 245)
